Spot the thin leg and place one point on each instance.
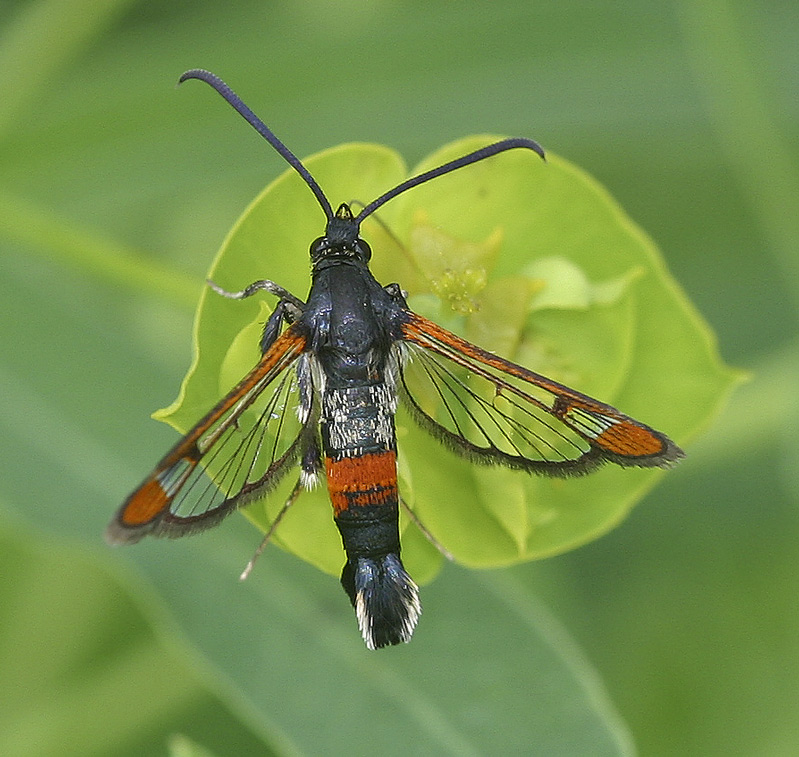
(295, 492)
(274, 325)
(432, 539)
(289, 308)
(262, 285)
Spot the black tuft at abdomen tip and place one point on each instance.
(385, 598)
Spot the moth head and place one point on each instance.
(341, 241)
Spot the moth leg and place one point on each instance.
(289, 308)
(292, 498)
(264, 284)
(274, 324)
(432, 539)
(311, 463)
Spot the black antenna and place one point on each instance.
(263, 130)
(294, 162)
(452, 165)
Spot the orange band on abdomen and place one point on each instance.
(369, 479)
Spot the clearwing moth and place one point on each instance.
(324, 394)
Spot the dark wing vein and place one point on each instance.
(239, 450)
(496, 412)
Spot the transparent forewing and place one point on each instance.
(239, 450)
(244, 453)
(493, 411)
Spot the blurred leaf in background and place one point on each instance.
(115, 190)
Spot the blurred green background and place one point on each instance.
(115, 192)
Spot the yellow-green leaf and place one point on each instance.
(531, 259)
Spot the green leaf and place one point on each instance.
(182, 746)
(288, 638)
(84, 671)
(533, 260)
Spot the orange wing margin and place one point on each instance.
(606, 433)
(147, 509)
